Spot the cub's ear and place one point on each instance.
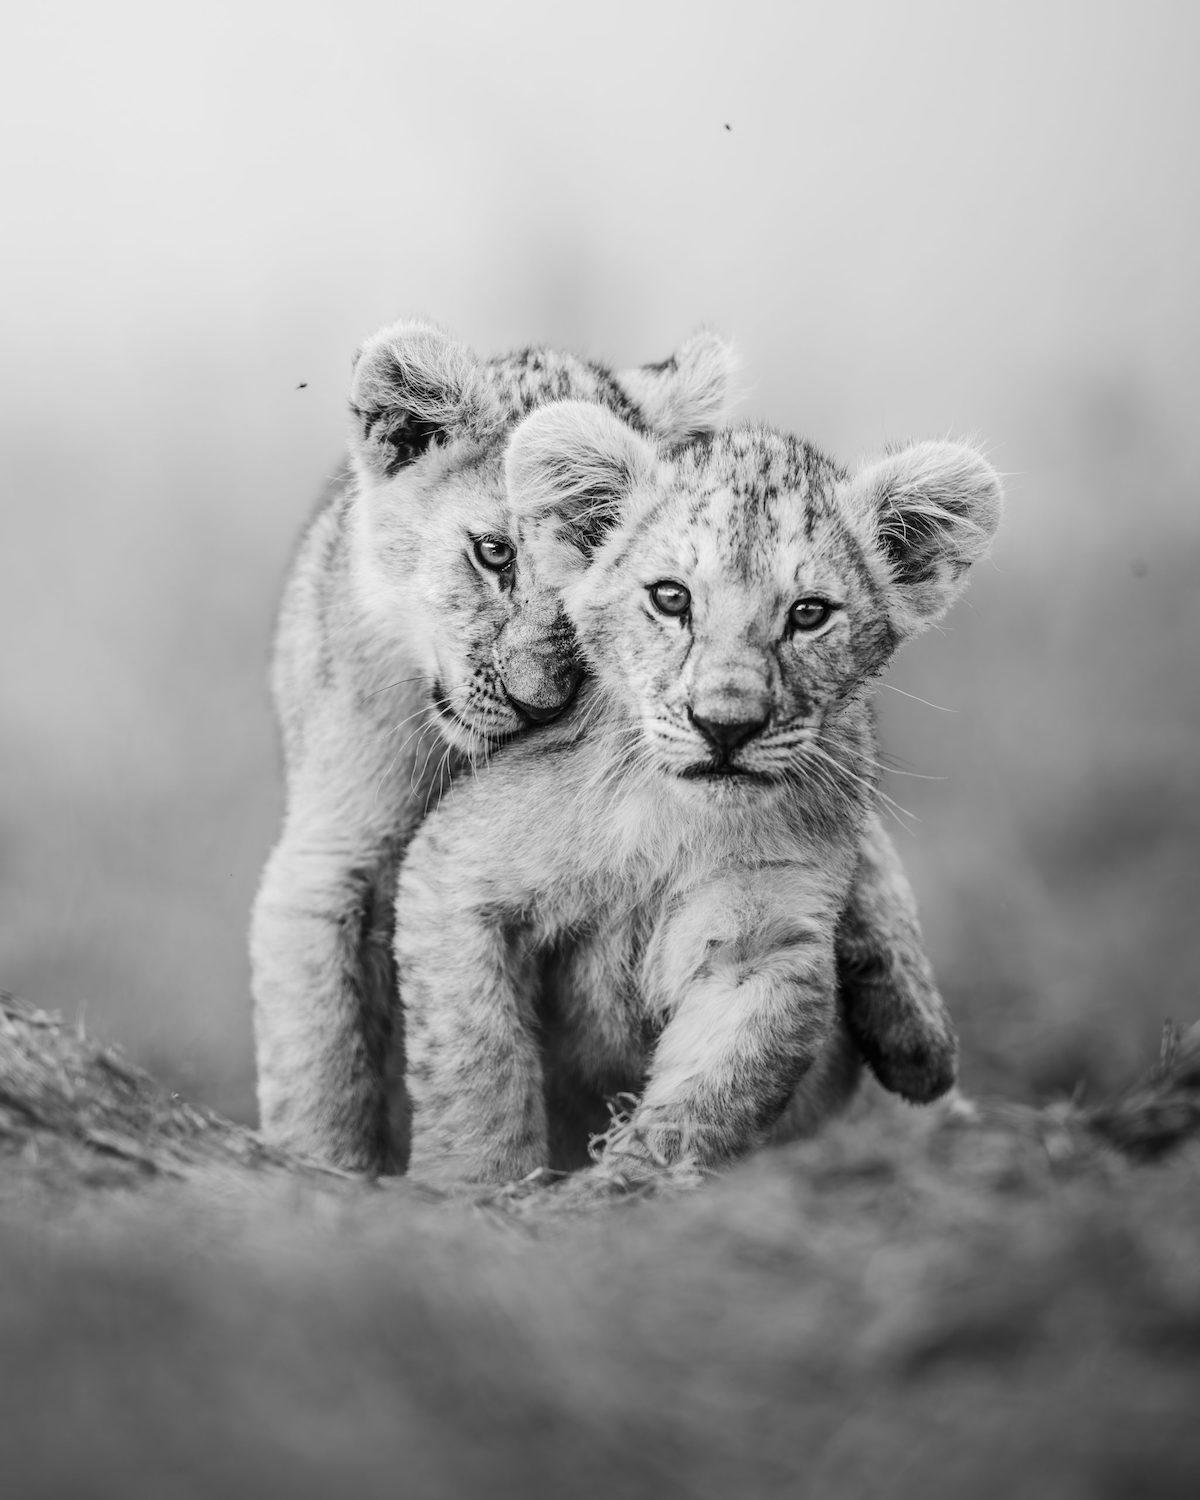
(686, 396)
(575, 465)
(928, 512)
(413, 385)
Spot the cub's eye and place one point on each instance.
(810, 614)
(494, 552)
(670, 598)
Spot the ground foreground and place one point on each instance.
(917, 1304)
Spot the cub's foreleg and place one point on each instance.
(361, 753)
(324, 991)
(890, 997)
(474, 1066)
(751, 1007)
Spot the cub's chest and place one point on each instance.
(613, 902)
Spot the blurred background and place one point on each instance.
(914, 220)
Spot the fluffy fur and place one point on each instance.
(655, 907)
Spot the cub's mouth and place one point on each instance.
(722, 772)
(459, 728)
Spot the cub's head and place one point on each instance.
(437, 554)
(736, 595)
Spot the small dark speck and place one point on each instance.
(1139, 567)
(728, 127)
(302, 386)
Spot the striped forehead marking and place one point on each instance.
(534, 377)
(768, 474)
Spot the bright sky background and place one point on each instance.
(917, 209)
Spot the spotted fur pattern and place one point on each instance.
(682, 884)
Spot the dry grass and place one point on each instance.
(919, 1303)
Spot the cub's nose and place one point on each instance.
(725, 735)
(555, 697)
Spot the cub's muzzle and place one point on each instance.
(538, 664)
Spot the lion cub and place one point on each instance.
(680, 850)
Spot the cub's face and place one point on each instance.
(441, 558)
(449, 577)
(735, 597)
(735, 612)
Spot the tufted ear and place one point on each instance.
(413, 386)
(686, 396)
(928, 511)
(575, 464)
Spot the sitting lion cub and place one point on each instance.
(679, 850)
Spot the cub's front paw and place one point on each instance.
(913, 1058)
(901, 1026)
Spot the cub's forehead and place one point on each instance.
(530, 378)
(466, 491)
(758, 466)
(751, 501)
(470, 481)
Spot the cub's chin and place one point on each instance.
(472, 734)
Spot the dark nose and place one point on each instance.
(725, 735)
(564, 690)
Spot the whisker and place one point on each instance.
(889, 768)
(941, 708)
(420, 775)
(399, 682)
(828, 784)
(391, 766)
(842, 769)
(888, 765)
(893, 770)
(415, 735)
(435, 780)
(408, 718)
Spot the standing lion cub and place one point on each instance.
(680, 848)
